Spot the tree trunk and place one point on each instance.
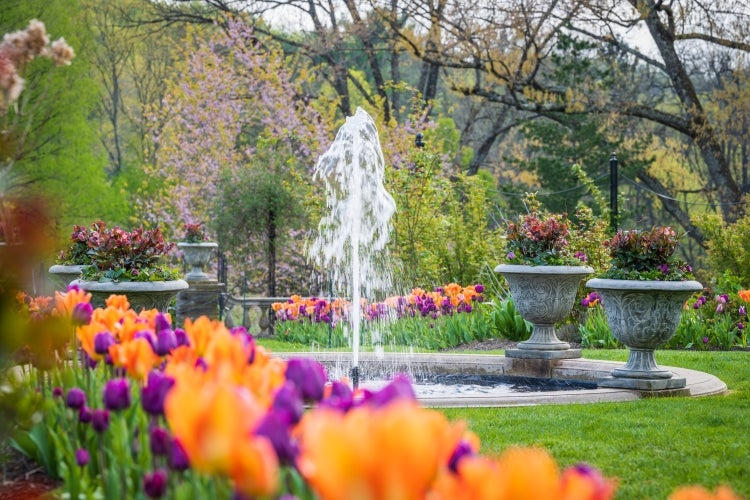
(699, 127)
(271, 252)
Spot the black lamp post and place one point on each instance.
(613, 192)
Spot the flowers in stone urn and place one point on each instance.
(194, 233)
(120, 255)
(77, 253)
(196, 250)
(539, 238)
(646, 256)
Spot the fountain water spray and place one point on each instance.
(353, 237)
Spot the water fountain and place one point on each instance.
(352, 244)
(352, 239)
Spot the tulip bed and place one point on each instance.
(144, 410)
(443, 318)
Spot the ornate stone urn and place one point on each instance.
(543, 295)
(643, 315)
(140, 294)
(61, 275)
(197, 256)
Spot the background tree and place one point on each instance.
(238, 120)
(509, 48)
(54, 148)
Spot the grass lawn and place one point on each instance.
(652, 446)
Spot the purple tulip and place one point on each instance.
(308, 375)
(479, 288)
(161, 323)
(76, 399)
(240, 331)
(182, 338)
(463, 448)
(82, 313)
(341, 397)
(165, 342)
(705, 340)
(289, 399)
(720, 307)
(155, 483)
(146, 334)
(155, 391)
(117, 394)
(82, 457)
(89, 362)
(511, 255)
(85, 415)
(102, 341)
(740, 326)
(399, 388)
(177, 458)
(276, 426)
(100, 420)
(57, 392)
(159, 441)
(743, 311)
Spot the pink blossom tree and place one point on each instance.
(234, 91)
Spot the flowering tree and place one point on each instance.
(234, 90)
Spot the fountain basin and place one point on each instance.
(581, 370)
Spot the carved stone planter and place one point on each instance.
(197, 256)
(543, 295)
(643, 315)
(141, 295)
(62, 275)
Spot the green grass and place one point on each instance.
(651, 446)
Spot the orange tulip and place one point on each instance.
(395, 451)
(744, 295)
(136, 356)
(118, 302)
(214, 422)
(201, 331)
(527, 473)
(585, 483)
(255, 468)
(700, 493)
(65, 302)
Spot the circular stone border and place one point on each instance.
(698, 384)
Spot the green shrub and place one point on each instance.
(728, 246)
(595, 331)
(505, 321)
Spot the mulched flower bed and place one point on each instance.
(24, 480)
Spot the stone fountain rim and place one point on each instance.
(698, 384)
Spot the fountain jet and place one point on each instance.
(353, 237)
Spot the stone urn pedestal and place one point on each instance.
(643, 315)
(201, 299)
(140, 294)
(543, 295)
(62, 275)
(197, 256)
